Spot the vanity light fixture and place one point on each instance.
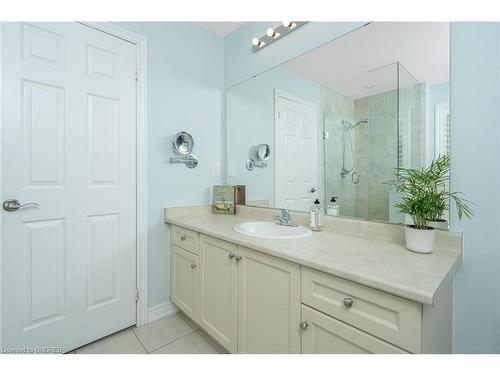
(273, 34)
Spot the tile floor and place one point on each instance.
(174, 334)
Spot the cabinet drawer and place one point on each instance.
(388, 317)
(185, 238)
(326, 335)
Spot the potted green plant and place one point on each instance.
(425, 197)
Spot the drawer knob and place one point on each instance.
(193, 266)
(304, 325)
(238, 258)
(182, 237)
(348, 302)
(231, 255)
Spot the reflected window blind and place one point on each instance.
(442, 122)
(405, 139)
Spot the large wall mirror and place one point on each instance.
(340, 118)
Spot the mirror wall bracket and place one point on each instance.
(251, 164)
(273, 35)
(190, 160)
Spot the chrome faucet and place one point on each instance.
(284, 219)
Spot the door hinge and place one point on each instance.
(137, 295)
(325, 135)
(136, 75)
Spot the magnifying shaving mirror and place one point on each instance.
(262, 153)
(183, 143)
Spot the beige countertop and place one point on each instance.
(384, 265)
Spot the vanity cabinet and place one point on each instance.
(252, 302)
(248, 301)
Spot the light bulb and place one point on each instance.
(289, 24)
(257, 42)
(272, 34)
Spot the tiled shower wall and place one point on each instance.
(375, 148)
(336, 108)
(375, 153)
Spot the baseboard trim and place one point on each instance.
(161, 311)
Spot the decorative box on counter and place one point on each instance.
(224, 199)
(240, 197)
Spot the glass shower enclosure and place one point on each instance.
(368, 135)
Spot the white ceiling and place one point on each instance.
(355, 60)
(221, 28)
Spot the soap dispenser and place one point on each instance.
(316, 216)
(333, 207)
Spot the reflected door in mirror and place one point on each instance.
(296, 152)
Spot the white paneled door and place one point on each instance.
(296, 132)
(68, 145)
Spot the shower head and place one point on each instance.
(364, 121)
(352, 126)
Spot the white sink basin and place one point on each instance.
(270, 230)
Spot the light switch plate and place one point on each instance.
(231, 172)
(216, 168)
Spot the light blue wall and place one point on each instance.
(475, 138)
(242, 63)
(185, 92)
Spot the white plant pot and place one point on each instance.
(440, 224)
(420, 240)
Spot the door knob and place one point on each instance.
(304, 325)
(193, 266)
(231, 256)
(13, 205)
(238, 258)
(313, 190)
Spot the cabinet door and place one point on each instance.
(218, 290)
(268, 304)
(184, 281)
(325, 335)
